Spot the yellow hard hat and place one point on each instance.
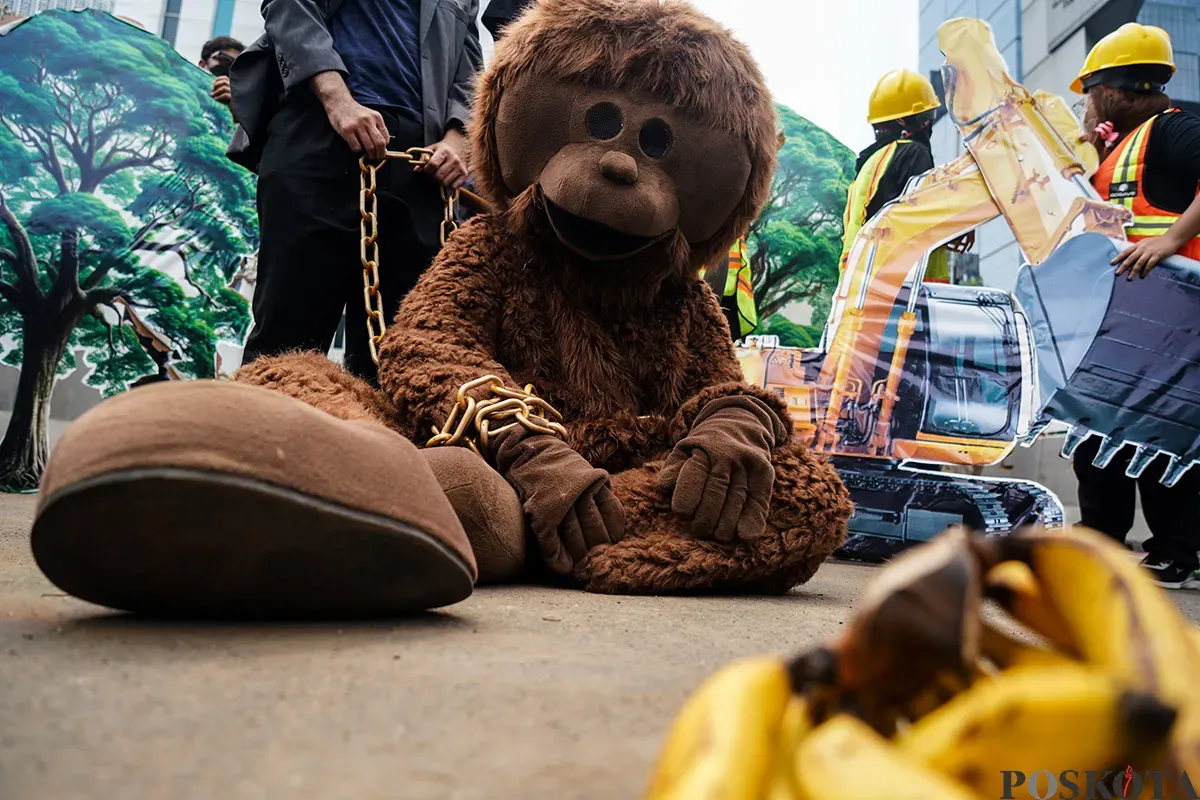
(1129, 45)
(901, 93)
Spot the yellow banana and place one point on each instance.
(795, 725)
(844, 759)
(1057, 718)
(1118, 618)
(1007, 651)
(722, 742)
(1013, 585)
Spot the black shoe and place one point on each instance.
(1170, 574)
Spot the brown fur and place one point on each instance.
(629, 352)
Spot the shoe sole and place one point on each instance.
(178, 542)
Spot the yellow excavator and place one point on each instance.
(912, 373)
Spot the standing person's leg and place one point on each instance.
(308, 213)
(1173, 516)
(1107, 499)
(410, 213)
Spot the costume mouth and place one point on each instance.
(595, 240)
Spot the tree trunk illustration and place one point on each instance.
(26, 445)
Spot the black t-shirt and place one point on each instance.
(1172, 169)
(910, 159)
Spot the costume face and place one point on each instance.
(617, 172)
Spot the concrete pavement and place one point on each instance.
(515, 693)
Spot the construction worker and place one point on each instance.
(901, 110)
(737, 295)
(1151, 165)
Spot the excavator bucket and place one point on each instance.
(1117, 358)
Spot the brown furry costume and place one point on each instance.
(630, 349)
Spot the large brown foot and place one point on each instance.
(806, 523)
(217, 499)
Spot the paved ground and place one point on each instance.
(516, 693)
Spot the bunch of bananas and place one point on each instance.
(922, 696)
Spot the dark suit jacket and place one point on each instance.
(297, 45)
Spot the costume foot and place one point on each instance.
(488, 508)
(210, 498)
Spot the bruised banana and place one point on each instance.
(844, 759)
(1013, 585)
(1059, 718)
(917, 626)
(1007, 651)
(722, 743)
(1118, 618)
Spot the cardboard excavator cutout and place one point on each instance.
(911, 373)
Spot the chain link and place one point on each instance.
(368, 228)
(476, 423)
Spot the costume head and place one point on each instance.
(632, 125)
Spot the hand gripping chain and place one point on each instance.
(476, 423)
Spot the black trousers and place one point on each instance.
(308, 259)
(1107, 501)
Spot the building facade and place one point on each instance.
(1044, 43)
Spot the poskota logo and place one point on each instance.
(1109, 784)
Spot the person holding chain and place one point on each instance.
(329, 82)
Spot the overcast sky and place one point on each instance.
(822, 57)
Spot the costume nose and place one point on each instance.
(619, 167)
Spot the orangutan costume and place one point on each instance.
(625, 144)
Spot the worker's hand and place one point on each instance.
(720, 475)
(220, 90)
(569, 503)
(448, 164)
(1141, 257)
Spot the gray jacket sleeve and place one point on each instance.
(303, 45)
(458, 105)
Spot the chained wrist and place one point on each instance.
(479, 424)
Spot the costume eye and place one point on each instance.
(604, 121)
(655, 138)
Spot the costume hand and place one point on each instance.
(721, 473)
(220, 90)
(362, 128)
(448, 164)
(569, 503)
(1141, 257)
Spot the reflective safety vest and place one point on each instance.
(739, 289)
(862, 191)
(1119, 181)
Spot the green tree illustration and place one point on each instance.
(796, 241)
(110, 149)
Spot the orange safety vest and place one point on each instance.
(1119, 181)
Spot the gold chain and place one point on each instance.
(476, 423)
(368, 228)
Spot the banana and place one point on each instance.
(844, 759)
(1007, 651)
(795, 725)
(1013, 586)
(722, 742)
(917, 625)
(1070, 716)
(1119, 619)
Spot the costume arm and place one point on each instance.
(303, 44)
(458, 105)
(444, 335)
(713, 370)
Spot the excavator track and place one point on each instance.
(897, 507)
